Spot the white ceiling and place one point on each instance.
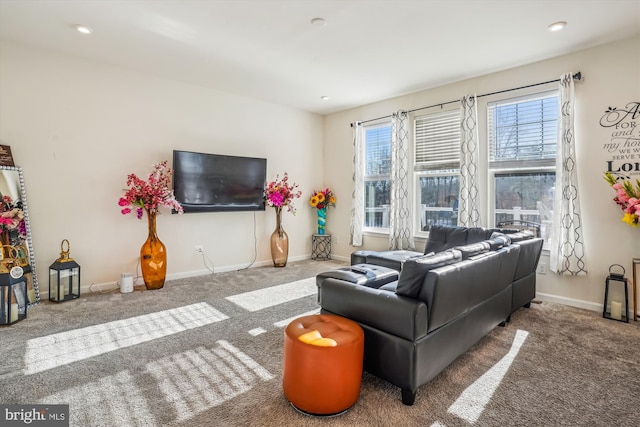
(367, 51)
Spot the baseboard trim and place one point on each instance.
(588, 305)
(114, 285)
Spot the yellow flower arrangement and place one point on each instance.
(322, 199)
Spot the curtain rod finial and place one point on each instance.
(578, 75)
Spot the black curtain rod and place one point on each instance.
(576, 76)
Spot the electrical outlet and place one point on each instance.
(542, 268)
(198, 249)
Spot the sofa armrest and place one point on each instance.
(530, 251)
(397, 315)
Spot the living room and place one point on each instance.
(78, 126)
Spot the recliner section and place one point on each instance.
(437, 305)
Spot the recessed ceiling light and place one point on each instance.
(557, 26)
(325, 98)
(83, 29)
(318, 22)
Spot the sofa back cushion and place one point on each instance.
(478, 234)
(443, 237)
(414, 271)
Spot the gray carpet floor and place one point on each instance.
(186, 355)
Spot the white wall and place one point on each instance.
(78, 127)
(611, 79)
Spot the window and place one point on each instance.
(523, 139)
(377, 176)
(436, 168)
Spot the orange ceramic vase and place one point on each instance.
(153, 256)
(279, 242)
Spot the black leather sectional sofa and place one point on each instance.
(419, 312)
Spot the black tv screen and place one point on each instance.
(218, 183)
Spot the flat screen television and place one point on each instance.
(218, 183)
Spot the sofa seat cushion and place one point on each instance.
(360, 257)
(414, 270)
(391, 287)
(392, 259)
(369, 275)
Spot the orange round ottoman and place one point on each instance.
(322, 363)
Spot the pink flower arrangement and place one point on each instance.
(12, 217)
(280, 193)
(627, 197)
(151, 194)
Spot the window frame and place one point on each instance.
(429, 169)
(516, 167)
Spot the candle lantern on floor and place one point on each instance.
(64, 277)
(13, 289)
(23, 261)
(614, 308)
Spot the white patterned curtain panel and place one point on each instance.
(567, 245)
(357, 197)
(468, 213)
(400, 232)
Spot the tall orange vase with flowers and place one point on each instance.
(148, 196)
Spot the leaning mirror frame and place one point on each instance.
(29, 242)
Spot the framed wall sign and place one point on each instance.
(6, 159)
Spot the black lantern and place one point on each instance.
(13, 288)
(64, 277)
(614, 308)
(23, 261)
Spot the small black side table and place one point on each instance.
(321, 246)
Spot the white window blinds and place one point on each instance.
(378, 150)
(523, 131)
(437, 141)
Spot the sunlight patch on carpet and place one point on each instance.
(60, 349)
(275, 295)
(285, 322)
(257, 331)
(199, 379)
(474, 399)
(115, 397)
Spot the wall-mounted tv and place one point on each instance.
(218, 183)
